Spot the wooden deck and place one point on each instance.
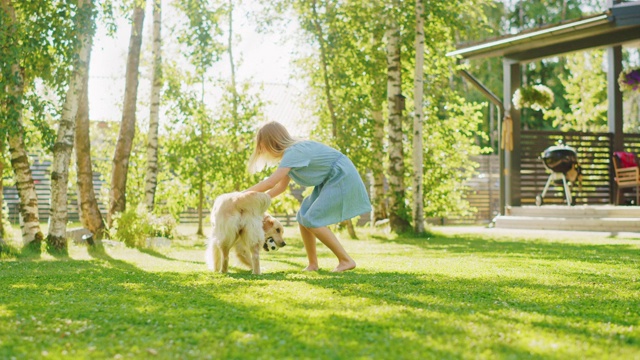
(608, 218)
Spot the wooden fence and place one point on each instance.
(40, 171)
(483, 194)
(594, 152)
(594, 156)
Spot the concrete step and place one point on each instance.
(588, 211)
(608, 224)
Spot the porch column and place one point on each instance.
(614, 96)
(614, 112)
(510, 160)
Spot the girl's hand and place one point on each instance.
(269, 183)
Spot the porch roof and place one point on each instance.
(619, 25)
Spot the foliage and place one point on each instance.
(536, 97)
(531, 14)
(41, 42)
(172, 195)
(284, 204)
(631, 107)
(171, 192)
(9, 237)
(201, 38)
(448, 147)
(235, 124)
(629, 80)
(478, 297)
(513, 16)
(586, 94)
(104, 135)
(192, 150)
(135, 225)
(208, 147)
(355, 55)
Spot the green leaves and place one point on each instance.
(585, 92)
(202, 35)
(357, 74)
(37, 54)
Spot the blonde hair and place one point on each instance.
(271, 141)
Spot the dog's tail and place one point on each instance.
(210, 254)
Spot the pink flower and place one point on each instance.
(629, 80)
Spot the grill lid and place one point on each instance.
(559, 158)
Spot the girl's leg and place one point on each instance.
(324, 234)
(309, 241)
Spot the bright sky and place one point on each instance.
(263, 58)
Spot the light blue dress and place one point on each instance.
(338, 194)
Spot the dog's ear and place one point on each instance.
(267, 222)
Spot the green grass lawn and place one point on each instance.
(454, 296)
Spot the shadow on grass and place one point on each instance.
(360, 314)
(176, 314)
(538, 249)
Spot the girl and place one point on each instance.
(338, 194)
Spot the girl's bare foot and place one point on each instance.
(311, 268)
(344, 266)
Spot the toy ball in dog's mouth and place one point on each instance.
(270, 245)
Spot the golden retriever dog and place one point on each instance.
(239, 221)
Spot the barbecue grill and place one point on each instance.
(559, 159)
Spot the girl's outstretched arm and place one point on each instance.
(270, 182)
(280, 187)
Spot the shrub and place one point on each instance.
(134, 226)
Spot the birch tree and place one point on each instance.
(398, 211)
(418, 88)
(120, 164)
(56, 240)
(13, 86)
(151, 176)
(90, 215)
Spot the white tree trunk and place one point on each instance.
(151, 177)
(378, 199)
(397, 208)
(418, 176)
(117, 196)
(56, 240)
(30, 220)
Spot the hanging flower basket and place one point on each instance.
(536, 97)
(629, 80)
